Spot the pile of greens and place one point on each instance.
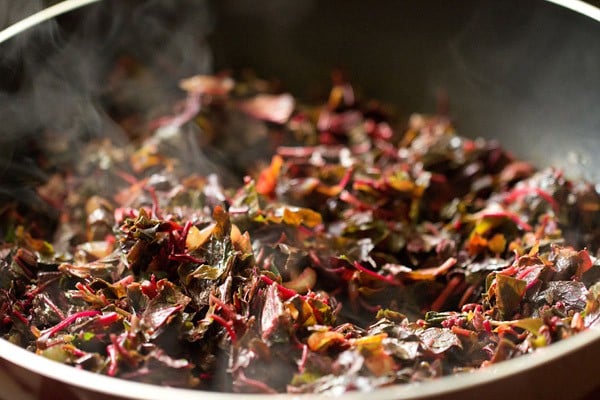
(359, 255)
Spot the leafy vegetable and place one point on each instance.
(359, 256)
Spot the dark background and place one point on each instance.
(524, 72)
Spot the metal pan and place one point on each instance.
(525, 73)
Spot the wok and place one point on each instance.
(524, 73)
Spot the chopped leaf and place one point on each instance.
(360, 257)
(509, 292)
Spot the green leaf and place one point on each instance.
(532, 325)
(509, 293)
(205, 271)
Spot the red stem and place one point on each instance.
(112, 355)
(520, 192)
(184, 233)
(461, 331)
(375, 275)
(120, 350)
(227, 326)
(68, 321)
(441, 299)
(255, 384)
(346, 178)
(285, 292)
(53, 306)
(155, 206)
(20, 316)
(349, 198)
(466, 295)
(132, 180)
(487, 325)
(77, 352)
(107, 318)
(510, 215)
(303, 359)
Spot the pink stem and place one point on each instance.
(227, 327)
(107, 318)
(285, 292)
(68, 321)
(375, 275)
(516, 193)
(112, 355)
(441, 299)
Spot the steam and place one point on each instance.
(17, 171)
(510, 70)
(77, 76)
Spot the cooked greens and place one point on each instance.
(359, 255)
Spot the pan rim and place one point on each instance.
(132, 390)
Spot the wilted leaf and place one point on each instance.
(438, 340)
(509, 293)
(207, 84)
(322, 340)
(272, 108)
(196, 237)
